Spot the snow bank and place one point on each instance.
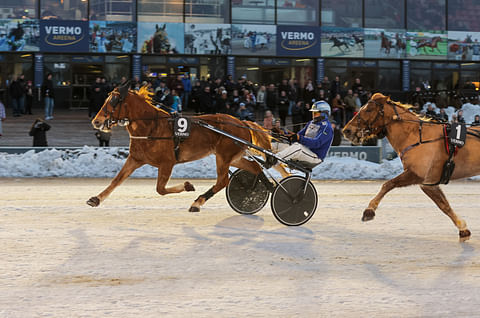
(90, 162)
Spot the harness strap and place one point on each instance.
(404, 151)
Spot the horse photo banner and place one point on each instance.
(160, 38)
(19, 35)
(251, 39)
(385, 44)
(63, 36)
(342, 42)
(113, 37)
(463, 46)
(211, 39)
(301, 41)
(426, 44)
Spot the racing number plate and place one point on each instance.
(458, 134)
(181, 127)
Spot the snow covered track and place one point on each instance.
(142, 255)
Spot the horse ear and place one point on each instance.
(123, 89)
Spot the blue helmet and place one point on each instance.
(321, 106)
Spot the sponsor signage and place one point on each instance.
(38, 75)
(406, 75)
(275, 62)
(373, 153)
(320, 70)
(184, 60)
(137, 65)
(231, 66)
(63, 36)
(298, 41)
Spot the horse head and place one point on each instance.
(369, 122)
(113, 111)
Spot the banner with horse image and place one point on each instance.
(427, 44)
(463, 46)
(342, 42)
(160, 38)
(19, 35)
(113, 37)
(383, 43)
(211, 39)
(251, 39)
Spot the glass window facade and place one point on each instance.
(64, 10)
(385, 14)
(207, 11)
(463, 15)
(426, 15)
(253, 11)
(297, 12)
(113, 10)
(160, 10)
(18, 9)
(342, 13)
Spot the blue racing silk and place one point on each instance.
(317, 136)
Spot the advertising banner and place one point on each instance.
(298, 41)
(19, 35)
(160, 38)
(251, 39)
(342, 42)
(113, 37)
(427, 44)
(211, 39)
(386, 44)
(63, 36)
(463, 46)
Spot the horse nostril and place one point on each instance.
(347, 131)
(96, 123)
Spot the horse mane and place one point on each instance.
(147, 96)
(409, 109)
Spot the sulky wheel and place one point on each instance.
(290, 205)
(246, 193)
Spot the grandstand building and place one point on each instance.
(393, 45)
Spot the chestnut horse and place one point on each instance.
(420, 145)
(151, 142)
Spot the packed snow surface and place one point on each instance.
(106, 162)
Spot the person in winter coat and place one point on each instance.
(48, 94)
(17, 93)
(39, 133)
(96, 97)
(297, 116)
(283, 105)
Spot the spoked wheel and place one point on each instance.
(246, 193)
(290, 205)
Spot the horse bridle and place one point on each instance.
(110, 120)
(380, 131)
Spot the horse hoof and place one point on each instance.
(194, 209)
(93, 202)
(188, 186)
(368, 215)
(464, 235)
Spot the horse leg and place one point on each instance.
(222, 181)
(128, 168)
(164, 173)
(406, 178)
(437, 196)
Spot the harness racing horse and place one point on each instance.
(433, 44)
(338, 43)
(420, 145)
(152, 142)
(386, 43)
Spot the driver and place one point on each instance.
(310, 145)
